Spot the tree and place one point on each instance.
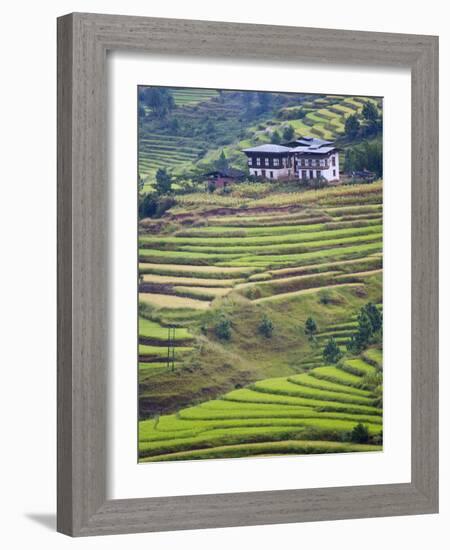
(264, 100)
(148, 205)
(370, 322)
(159, 100)
(163, 182)
(310, 327)
(360, 433)
(174, 125)
(365, 330)
(288, 133)
(223, 328)
(210, 128)
(374, 315)
(247, 99)
(352, 126)
(266, 327)
(276, 138)
(331, 352)
(369, 111)
(366, 156)
(222, 162)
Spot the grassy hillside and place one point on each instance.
(205, 122)
(259, 252)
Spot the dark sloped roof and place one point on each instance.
(226, 173)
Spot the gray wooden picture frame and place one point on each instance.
(83, 42)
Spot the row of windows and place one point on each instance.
(301, 162)
(276, 162)
(311, 174)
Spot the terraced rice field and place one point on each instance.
(162, 147)
(178, 151)
(300, 414)
(191, 96)
(317, 252)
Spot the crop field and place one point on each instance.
(284, 255)
(298, 414)
(182, 149)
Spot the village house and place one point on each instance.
(305, 158)
(219, 179)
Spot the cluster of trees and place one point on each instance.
(331, 352)
(287, 135)
(369, 123)
(159, 101)
(369, 331)
(153, 205)
(366, 156)
(370, 324)
(292, 113)
(222, 327)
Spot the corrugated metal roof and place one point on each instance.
(267, 148)
(305, 145)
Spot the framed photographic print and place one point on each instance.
(247, 274)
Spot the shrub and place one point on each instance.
(310, 327)
(288, 133)
(352, 126)
(252, 293)
(163, 182)
(360, 433)
(223, 328)
(331, 352)
(266, 327)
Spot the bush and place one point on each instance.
(163, 182)
(223, 328)
(153, 206)
(310, 327)
(288, 133)
(360, 434)
(331, 352)
(266, 327)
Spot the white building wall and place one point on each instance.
(328, 173)
(277, 172)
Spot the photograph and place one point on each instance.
(260, 273)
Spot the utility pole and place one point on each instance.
(171, 348)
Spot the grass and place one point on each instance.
(266, 449)
(172, 302)
(261, 250)
(151, 329)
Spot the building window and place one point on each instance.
(306, 163)
(322, 162)
(276, 162)
(313, 162)
(304, 176)
(249, 161)
(334, 172)
(311, 174)
(271, 175)
(333, 160)
(319, 173)
(258, 161)
(263, 173)
(266, 162)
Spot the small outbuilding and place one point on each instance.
(221, 178)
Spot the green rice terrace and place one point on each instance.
(229, 363)
(203, 123)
